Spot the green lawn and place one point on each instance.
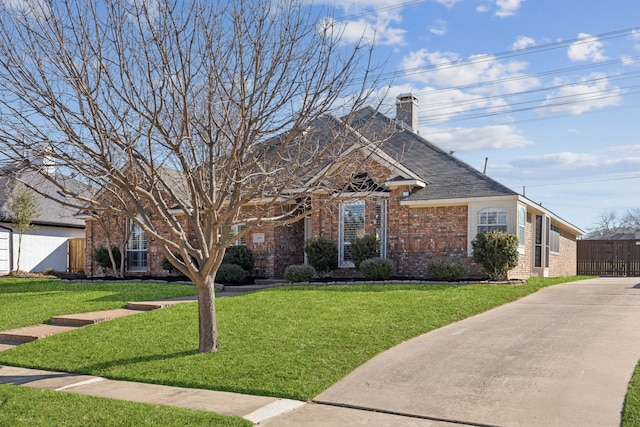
(27, 302)
(25, 406)
(631, 414)
(288, 342)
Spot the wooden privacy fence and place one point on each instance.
(77, 249)
(617, 258)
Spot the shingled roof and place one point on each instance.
(52, 209)
(446, 176)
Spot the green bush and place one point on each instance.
(230, 273)
(447, 269)
(377, 268)
(299, 273)
(166, 264)
(322, 254)
(497, 252)
(101, 256)
(364, 248)
(239, 255)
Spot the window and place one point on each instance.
(136, 249)
(353, 217)
(351, 228)
(235, 230)
(381, 226)
(492, 219)
(538, 242)
(521, 224)
(555, 238)
(544, 241)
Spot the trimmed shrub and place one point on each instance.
(299, 273)
(322, 254)
(239, 255)
(497, 252)
(378, 268)
(166, 264)
(364, 248)
(101, 256)
(230, 273)
(447, 269)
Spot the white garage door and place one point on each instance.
(5, 265)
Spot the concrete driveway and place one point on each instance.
(560, 357)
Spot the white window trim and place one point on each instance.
(341, 262)
(137, 269)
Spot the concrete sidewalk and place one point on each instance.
(561, 357)
(253, 408)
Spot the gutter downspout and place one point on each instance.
(10, 230)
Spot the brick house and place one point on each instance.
(422, 203)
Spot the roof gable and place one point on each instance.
(446, 176)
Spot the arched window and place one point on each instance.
(490, 219)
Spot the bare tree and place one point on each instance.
(185, 116)
(610, 223)
(24, 208)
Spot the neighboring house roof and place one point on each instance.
(628, 235)
(52, 210)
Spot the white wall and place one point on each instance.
(43, 248)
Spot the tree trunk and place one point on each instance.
(19, 251)
(208, 327)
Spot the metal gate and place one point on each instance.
(616, 258)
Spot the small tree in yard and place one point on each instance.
(497, 252)
(186, 116)
(24, 208)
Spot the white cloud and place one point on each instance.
(447, 69)
(440, 28)
(627, 149)
(482, 138)
(563, 159)
(381, 29)
(586, 48)
(592, 93)
(448, 3)
(508, 7)
(627, 60)
(503, 8)
(635, 35)
(523, 42)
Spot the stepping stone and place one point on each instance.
(84, 319)
(6, 345)
(154, 305)
(31, 333)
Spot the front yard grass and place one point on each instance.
(288, 342)
(27, 302)
(631, 413)
(25, 406)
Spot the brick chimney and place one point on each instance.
(407, 110)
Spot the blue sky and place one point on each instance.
(547, 90)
